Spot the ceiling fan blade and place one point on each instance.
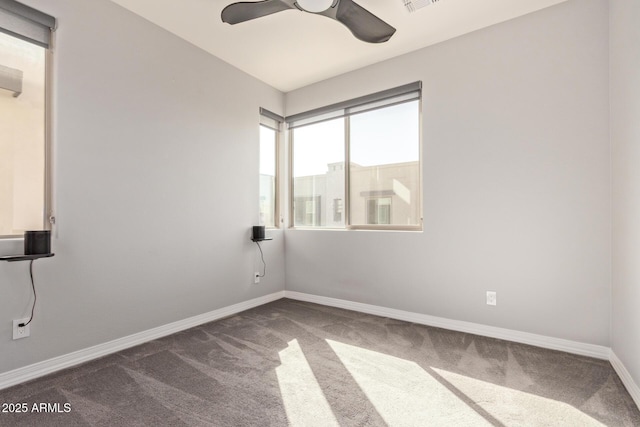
(363, 24)
(245, 11)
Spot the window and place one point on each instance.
(269, 133)
(24, 181)
(307, 210)
(337, 210)
(379, 210)
(318, 173)
(378, 137)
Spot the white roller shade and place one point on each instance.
(385, 98)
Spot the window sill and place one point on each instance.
(407, 229)
(11, 245)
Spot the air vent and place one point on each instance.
(413, 5)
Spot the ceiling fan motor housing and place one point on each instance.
(315, 6)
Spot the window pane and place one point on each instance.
(22, 136)
(379, 210)
(267, 176)
(318, 174)
(385, 166)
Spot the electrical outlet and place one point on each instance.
(492, 298)
(256, 277)
(21, 332)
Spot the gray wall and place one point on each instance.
(516, 182)
(156, 187)
(625, 150)
(156, 170)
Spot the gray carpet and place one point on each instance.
(295, 363)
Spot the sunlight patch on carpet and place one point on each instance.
(304, 402)
(515, 407)
(402, 392)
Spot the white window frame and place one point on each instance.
(407, 93)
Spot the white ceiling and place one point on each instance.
(291, 49)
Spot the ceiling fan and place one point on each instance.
(362, 23)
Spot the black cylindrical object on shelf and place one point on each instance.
(258, 232)
(37, 242)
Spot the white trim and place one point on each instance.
(27, 373)
(39, 369)
(583, 349)
(626, 378)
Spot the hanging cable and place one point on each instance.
(262, 256)
(35, 296)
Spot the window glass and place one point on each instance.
(356, 163)
(268, 143)
(318, 174)
(384, 174)
(337, 210)
(22, 136)
(379, 210)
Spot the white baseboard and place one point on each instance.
(39, 369)
(574, 347)
(591, 350)
(626, 378)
